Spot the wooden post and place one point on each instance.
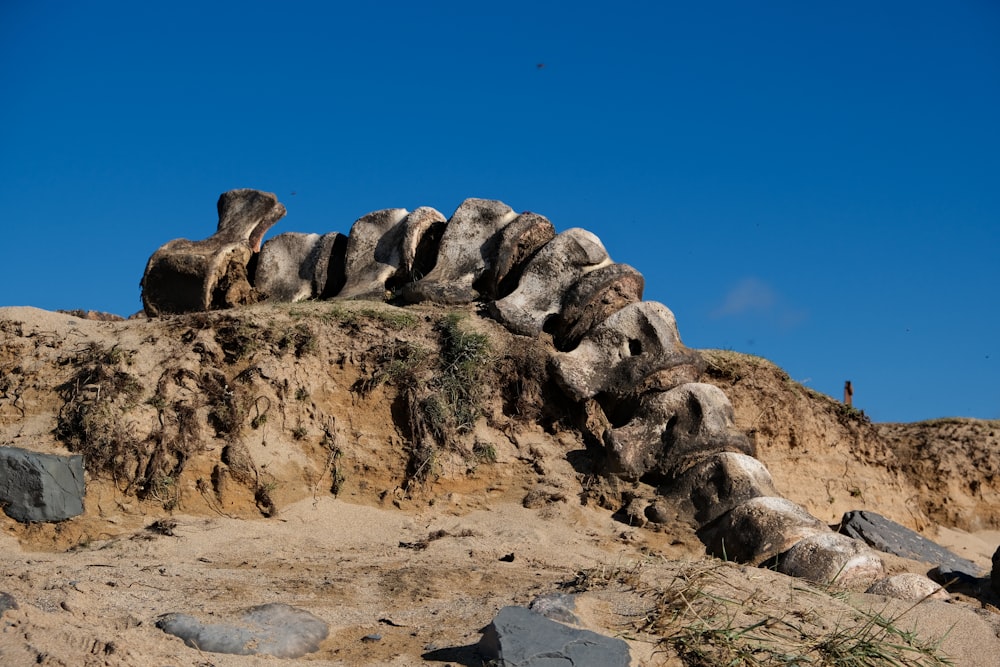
(848, 393)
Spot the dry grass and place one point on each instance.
(700, 616)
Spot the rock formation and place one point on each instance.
(185, 276)
(620, 358)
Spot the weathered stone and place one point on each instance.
(271, 629)
(833, 559)
(594, 298)
(374, 253)
(517, 244)
(186, 276)
(672, 430)
(719, 483)
(548, 275)
(40, 487)
(620, 355)
(995, 572)
(329, 276)
(888, 536)
(424, 228)
(556, 606)
(519, 637)
(286, 267)
(7, 601)
(758, 530)
(466, 254)
(908, 586)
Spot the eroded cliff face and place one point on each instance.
(246, 410)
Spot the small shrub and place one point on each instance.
(484, 452)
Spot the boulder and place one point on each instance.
(833, 559)
(329, 275)
(908, 586)
(888, 536)
(719, 483)
(185, 276)
(548, 275)
(635, 350)
(466, 254)
(519, 637)
(286, 267)
(272, 629)
(672, 430)
(517, 244)
(422, 233)
(995, 572)
(40, 487)
(374, 253)
(7, 602)
(594, 298)
(759, 530)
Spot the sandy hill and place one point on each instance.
(406, 473)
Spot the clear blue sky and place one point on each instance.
(814, 182)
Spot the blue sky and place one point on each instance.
(816, 183)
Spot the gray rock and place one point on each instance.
(594, 298)
(517, 244)
(833, 559)
(633, 351)
(719, 483)
(271, 629)
(888, 536)
(519, 637)
(466, 254)
(758, 530)
(40, 487)
(908, 586)
(556, 606)
(7, 601)
(672, 430)
(548, 275)
(995, 572)
(423, 229)
(286, 267)
(330, 273)
(185, 276)
(374, 253)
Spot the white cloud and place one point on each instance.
(750, 295)
(753, 296)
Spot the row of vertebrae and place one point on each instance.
(614, 353)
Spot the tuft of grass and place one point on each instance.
(354, 316)
(396, 363)
(464, 359)
(450, 401)
(94, 420)
(484, 452)
(694, 617)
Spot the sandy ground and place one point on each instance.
(424, 569)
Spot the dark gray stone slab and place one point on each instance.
(7, 601)
(40, 487)
(272, 629)
(888, 536)
(519, 637)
